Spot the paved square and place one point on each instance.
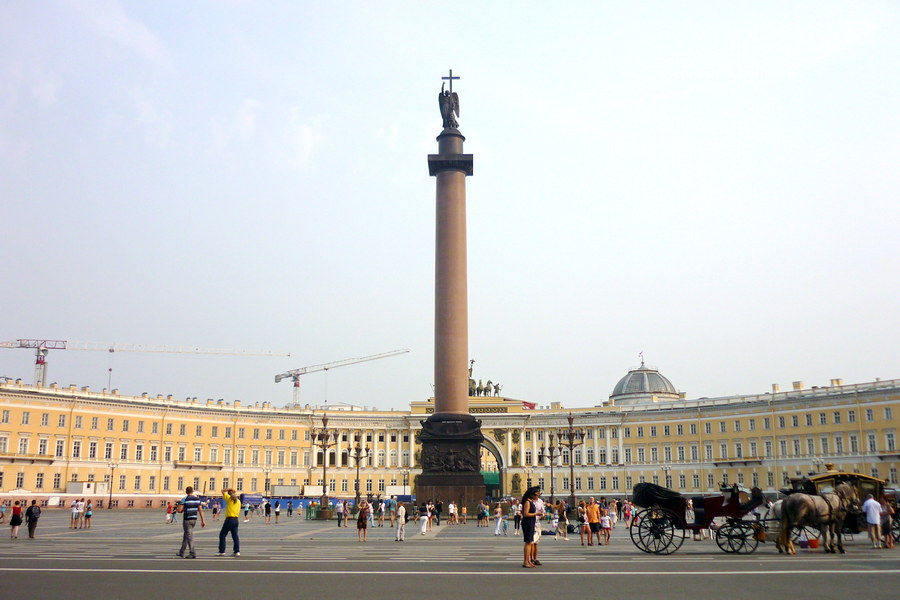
(131, 554)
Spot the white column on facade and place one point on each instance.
(339, 447)
(608, 445)
(596, 443)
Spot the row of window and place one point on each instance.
(93, 451)
(256, 433)
(137, 483)
(827, 446)
(808, 420)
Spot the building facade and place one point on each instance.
(140, 451)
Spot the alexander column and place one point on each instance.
(451, 437)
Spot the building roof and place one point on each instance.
(643, 384)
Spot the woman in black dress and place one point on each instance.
(529, 521)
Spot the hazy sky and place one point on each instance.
(712, 183)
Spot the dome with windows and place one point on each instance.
(642, 385)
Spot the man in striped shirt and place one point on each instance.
(190, 505)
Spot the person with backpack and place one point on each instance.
(32, 514)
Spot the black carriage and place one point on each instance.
(662, 524)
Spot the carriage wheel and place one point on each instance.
(737, 537)
(653, 531)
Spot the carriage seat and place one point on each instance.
(699, 503)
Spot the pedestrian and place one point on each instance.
(401, 522)
(392, 506)
(230, 524)
(606, 525)
(191, 507)
(582, 522)
(562, 521)
(81, 508)
(541, 512)
(362, 521)
(423, 517)
(516, 509)
(15, 520)
(887, 516)
(498, 519)
(339, 509)
(88, 513)
(277, 511)
(268, 512)
(215, 510)
(74, 514)
(451, 511)
(592, 512)
(438, 511)
(246, 510)
(169, 512)
(872, 508)
(290, 509)
(381, 509)
(32, 514)
(2, 511)
(464, 512)
(530, 522)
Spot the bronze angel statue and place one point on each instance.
(449, 102)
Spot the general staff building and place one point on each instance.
(140, 451)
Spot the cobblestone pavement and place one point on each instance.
(131, 554)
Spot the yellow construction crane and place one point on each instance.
(43, 347)
(295, 374)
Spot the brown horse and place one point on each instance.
(825, 512)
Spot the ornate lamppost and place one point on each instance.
(550, 453)
(358, 453)
(405, 472)
(528, 472)
(266, 470)
(571, 437)
(324, 438)
(817, 461)
(112, 468)
(666, 469)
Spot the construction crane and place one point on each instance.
(295, 374)
(43, 347)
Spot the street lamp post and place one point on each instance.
(818, 461)
(550, 453)
(112, 468)
(358, 453)
(571, 437)
(405, 472)
(528, 472)
(324, 438)
(666, 469)
(266, 471)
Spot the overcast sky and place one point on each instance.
(713, 184)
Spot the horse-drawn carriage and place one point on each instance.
(662, 524)
(825, 483)
(825, 505)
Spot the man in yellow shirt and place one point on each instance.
(232, 514)
(592, 512)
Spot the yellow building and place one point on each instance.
(139, 451)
